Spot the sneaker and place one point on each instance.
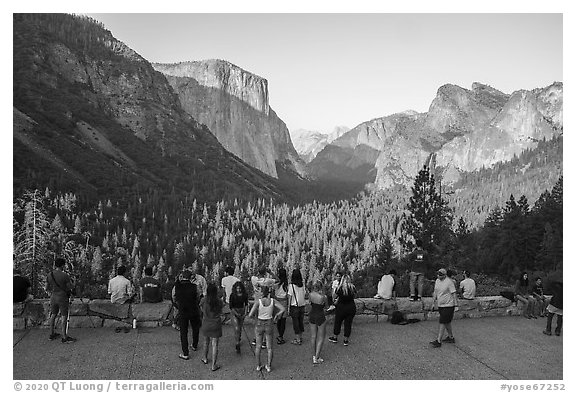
(296, 342)
(268, 368)
(346, 342)
(450, 340)
(333, 339)
(54, 336)
(253, 343)
(259, 367)
(280, 340)
(412, 298)
(331, 308)
(183, 357)
(435, 344)
(175, 326)
(546, 332)
(263, 346)
(193, 348)
(68, 340)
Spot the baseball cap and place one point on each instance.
(442, 271)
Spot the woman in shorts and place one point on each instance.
(317, 319)
(264, 310)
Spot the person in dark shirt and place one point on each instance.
(150, 288)
(345, 309)
(555, 308)
(60, 285)
(540, 299)
(22, 288)
(186, 297)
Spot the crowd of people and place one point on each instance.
(205, 307)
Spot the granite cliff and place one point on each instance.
(102, 117)
(463, 130)
(233, 104)
(309, 143)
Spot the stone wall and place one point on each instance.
(85, 313)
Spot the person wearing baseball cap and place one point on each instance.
(445, 299)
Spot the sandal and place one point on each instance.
(259, 367)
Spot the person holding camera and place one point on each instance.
(60, 286)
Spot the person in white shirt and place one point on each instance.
(468, 286)
(120, 288)
(335, 284)
(228, 282)
(387, 286)
(445, 300)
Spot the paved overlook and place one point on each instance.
(493, 348)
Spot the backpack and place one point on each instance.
(399, 319)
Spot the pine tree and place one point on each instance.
(32, 252)
(429, 220)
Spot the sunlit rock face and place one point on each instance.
(463, 130)
(233, 104)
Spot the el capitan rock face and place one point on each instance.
(233, 104)
(93, 113)
(463, 130)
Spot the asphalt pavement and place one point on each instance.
(496, 348)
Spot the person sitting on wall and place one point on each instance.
(120, 288)
(468, 287)
(387, 286)
(22, 288)
(150, 288)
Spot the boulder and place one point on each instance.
(490, 302)
(152, 311)
(112, 323)
(36, 312)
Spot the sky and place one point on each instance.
(327, 70)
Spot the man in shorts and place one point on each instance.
(445, 298)
(60, 285)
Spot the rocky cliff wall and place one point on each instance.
(233, 104)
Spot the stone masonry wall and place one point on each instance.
(85, 313)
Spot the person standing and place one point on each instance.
(150, 288)
(387, 286)
(120, 288)
(445, 299)
(417, 272)
(198, 279)
(264, 308)
(296, 296)
(262, 279)
(60, 285)
(345, 309)
(335, 284)
(211, 307)
(468, 287)
(185, 296)
(238, 309)
(281, 296)
(317, 319)
(228, 282)
(22, 288)
(555, 308)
